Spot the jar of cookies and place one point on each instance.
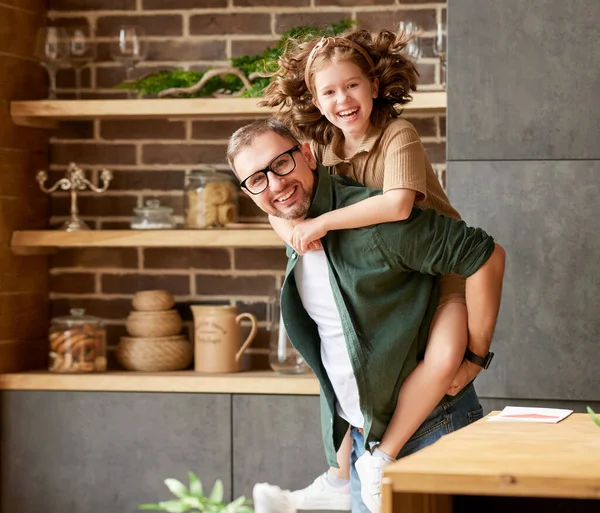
(77, 343)
(210, 199)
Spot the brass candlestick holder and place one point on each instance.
(74, 181)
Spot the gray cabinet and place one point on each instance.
(87, 452)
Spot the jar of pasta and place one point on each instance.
(210, 199)
(77, 343)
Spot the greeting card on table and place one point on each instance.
(525, 414)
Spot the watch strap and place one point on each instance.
(478, 360)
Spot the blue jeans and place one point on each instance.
(450, 414)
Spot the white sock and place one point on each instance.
(335, 481)
(383, 455)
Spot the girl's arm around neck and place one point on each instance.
(393, 205)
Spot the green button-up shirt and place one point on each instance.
(385, 284)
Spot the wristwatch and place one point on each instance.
(478, 360)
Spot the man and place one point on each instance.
(359, 310)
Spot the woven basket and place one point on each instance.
(155, 354)
(153, 300)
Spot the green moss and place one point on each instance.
(265, 62)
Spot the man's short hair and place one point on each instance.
(243, 137)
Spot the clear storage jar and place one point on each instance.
(211, 199)
(283, 356)
(153, 216)
(77, 343)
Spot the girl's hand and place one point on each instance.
(307, 233)
(467, 372)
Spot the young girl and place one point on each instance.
(342, 93)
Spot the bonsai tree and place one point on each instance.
(192, 499)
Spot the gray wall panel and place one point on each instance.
(547, 216)
(276, 439)
(87, 452)
(522, 83)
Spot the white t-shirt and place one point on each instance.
(312, 278)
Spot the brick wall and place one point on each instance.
(150, 159)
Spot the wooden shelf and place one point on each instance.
(40, 241)
(46, 113)
(255, 382)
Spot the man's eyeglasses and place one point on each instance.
(281, 165)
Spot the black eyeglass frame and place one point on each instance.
(266, 170)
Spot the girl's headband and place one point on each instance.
(333, 42)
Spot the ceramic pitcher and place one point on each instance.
(217, 338)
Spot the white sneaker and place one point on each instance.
(322, 495)
(271, 499)
(370, 471)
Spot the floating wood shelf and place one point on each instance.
(254, 382)
(40, 241)
(46, 113)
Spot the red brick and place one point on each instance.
(249, 47)
(154, 25)
(213, 285)
(158, 180)
(259, 310)
(443, 126)
(257, 259)
(95, 205)
(262, 339)
(426, 73)
(426, 127)
(131, 283)
(92, 5)
(217, 129)
(436, 152)
(183, 4)
(248, 210)
(282, 3)
(350, 3)
(192, 154)
(71, 22)
(142, 129)
(114, 332)
(425, 18)
(186, 258)
(284, 22)
(74, 130)
(95, 257)
(184, 50)
(92, 153)
(104, 308)
(112, 76)
(65, 78)
(236, 23)
(72, 283)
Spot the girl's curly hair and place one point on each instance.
(288, 90)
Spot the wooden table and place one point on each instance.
(501, 459)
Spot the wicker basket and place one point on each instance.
(153, 300)
(155, 354)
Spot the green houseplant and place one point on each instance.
(594, 416)
(192, 499)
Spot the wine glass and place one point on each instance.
(440, 44)
(130, 49)
(82, 50)
(413, 48)
(51, 49)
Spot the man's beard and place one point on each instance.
(299, 210)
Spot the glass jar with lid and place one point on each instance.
(153, 216)
(210, 199)
(77, 343)
(283, 356)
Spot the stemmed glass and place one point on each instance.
(413, 47)
(130, 49)
(82, 50)
(51, 49)
(440, 44)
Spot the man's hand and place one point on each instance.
(307, 233)
(466, 373)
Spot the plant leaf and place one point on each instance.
(174, 506)
(153, 507)
(177, 488)
(217, 492)
(195, 485)
(594, 416)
